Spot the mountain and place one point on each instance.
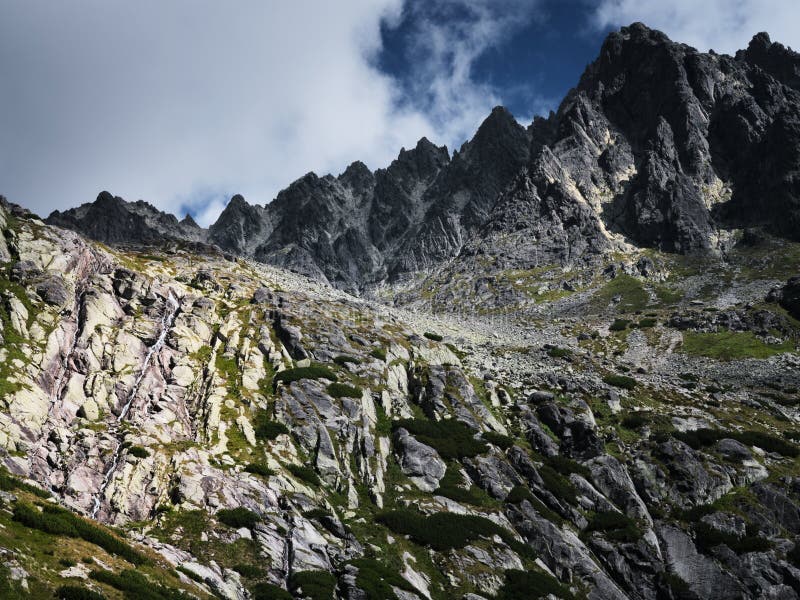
(658, 145)
(570, 370)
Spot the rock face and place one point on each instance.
(579, 418)
(658, 144)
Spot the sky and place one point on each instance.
(184, 103)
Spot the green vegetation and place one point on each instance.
(566, 466)
(557, 484)
(557, 352)
(259, 469)
(343, 360)
(248, 571)
(378, 353)
(635, 420)
(58, 521)
(9, 483)
(647, 323)
(700, 438)
(266, 429)
(632, 295)
(620, 381)
(73, 592)
(619, 325)
(615, 525)
(433, 336)
(314, 371)
(531, 585)
(304, 473)
(498, 439)
(451, 439)
(451, 487)
(238, 517)
(268, 591)
(731, 345)
(445, 531)
(377, 580)
(135, 586)
(342, 390)
(138, 452)
(707, 537)
(315, 585)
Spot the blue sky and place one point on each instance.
(530, 69)
(188, 102)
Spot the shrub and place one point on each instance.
(793, 555)
(445, 531)
(700, 438)
(519, 493)
(58, 521)
(316, 585)
(135, 586)
(259, 469)
(451, 439)
(451, 487)
(620, 381)
(531, 585)
(304, 473)
(559, 352)
(138, 452)
(238, 517)
(635, 420)
(65, 562)
(433, 336)
(342, 390)
(248, 571)
(10, 483)
(377, 580)
(616, 526)
(268, 591)
(707, 537)
(343, 360)
(557, 484)
(647, 323)
(73, 592)
(313, 372)
(498, 439)
(266, 429)
(566, 466)
(378, 353)
(619, 325)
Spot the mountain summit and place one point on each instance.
(658, 145)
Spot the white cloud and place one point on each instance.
(184, 103)
(721, 25)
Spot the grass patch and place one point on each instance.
(446, 531)
(451, 487)
(378, 353)
(266, 429)
(304, 473)
(557, 352)
(566, 466)
(315, 585)
(531, 585)
(238, 517)
(377, 580)
(311, 372)
(74, 592)
(259, 469)
(731, 345)
(557, 484)
(58, 521)
(344, 360)
(615, 525)
(268, 591)
(700, 438)
(632, 295)
(620, 381)
(619, 325)
(342, 390)
(135, 586)
(9, 483)
(451, 439)
(433, 336)
(498, 439)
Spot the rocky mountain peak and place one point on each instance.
(774, 58)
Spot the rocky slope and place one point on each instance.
(621, 429)
(658, 146)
